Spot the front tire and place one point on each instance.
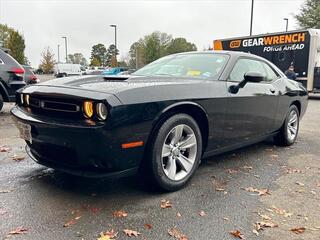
(175, 152)
(289, 131)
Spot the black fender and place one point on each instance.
(179, 104)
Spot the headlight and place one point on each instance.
(102, 111)
(26, 98)
(21, 98)
(88, 109)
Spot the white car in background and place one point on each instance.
(67, 69)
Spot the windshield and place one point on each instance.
(197, 65)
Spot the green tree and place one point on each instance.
(179, 45)
(110, 56)
(47, 61)
(309, 16)
(99, 52)
(136, 55)
(156, 45)
(95, 62)
(77, 58)
(4, 34)
(14, 41)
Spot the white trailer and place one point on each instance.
(67, 69)
(300, 48)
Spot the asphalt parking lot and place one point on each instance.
(283, 199)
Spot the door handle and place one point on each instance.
(272, 90)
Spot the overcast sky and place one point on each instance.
(86, 22)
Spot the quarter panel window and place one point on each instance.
(271, 73)
(246, 65)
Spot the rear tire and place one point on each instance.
(1, 102)
(289, 131)
(175, 152)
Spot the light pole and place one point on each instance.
(65, 42)
(58, 53)
(251, 21)
(287, 23)
(115, 39)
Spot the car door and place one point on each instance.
(250, 112)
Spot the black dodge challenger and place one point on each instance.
(162, 119)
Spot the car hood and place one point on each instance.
(117, 83)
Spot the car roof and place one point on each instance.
(234, 54)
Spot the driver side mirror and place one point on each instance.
(248, 77)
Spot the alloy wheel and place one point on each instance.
(292, 126)
(179, 152)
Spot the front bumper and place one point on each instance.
(81, 148)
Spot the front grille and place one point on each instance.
(58, 106)
(54, 107)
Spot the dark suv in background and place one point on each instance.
(11, 77)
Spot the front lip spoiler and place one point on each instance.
(82, 173)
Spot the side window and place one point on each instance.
(246, 65)
(271, 73)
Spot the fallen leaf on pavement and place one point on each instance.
(95, 210)
(120, 214)
(265, 217)
(174, 232)
(108, 235)
(267, 224)
(202, 213)
(281, 211)
(225, 218)
(298, 230)
(5, 190)
(274, 156)
(71, 222)
(261, 192)
(231, 171)
(247, 167)
(219, 186)
(255, 232)
(165, 204)
(104, 237)
(300, 184)
(179, 215)
(18, 158)
(292, 170)
(4, 149)
(131, 233)
(18, 230)
(220, 189)
(237, 234)
(148, 226)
